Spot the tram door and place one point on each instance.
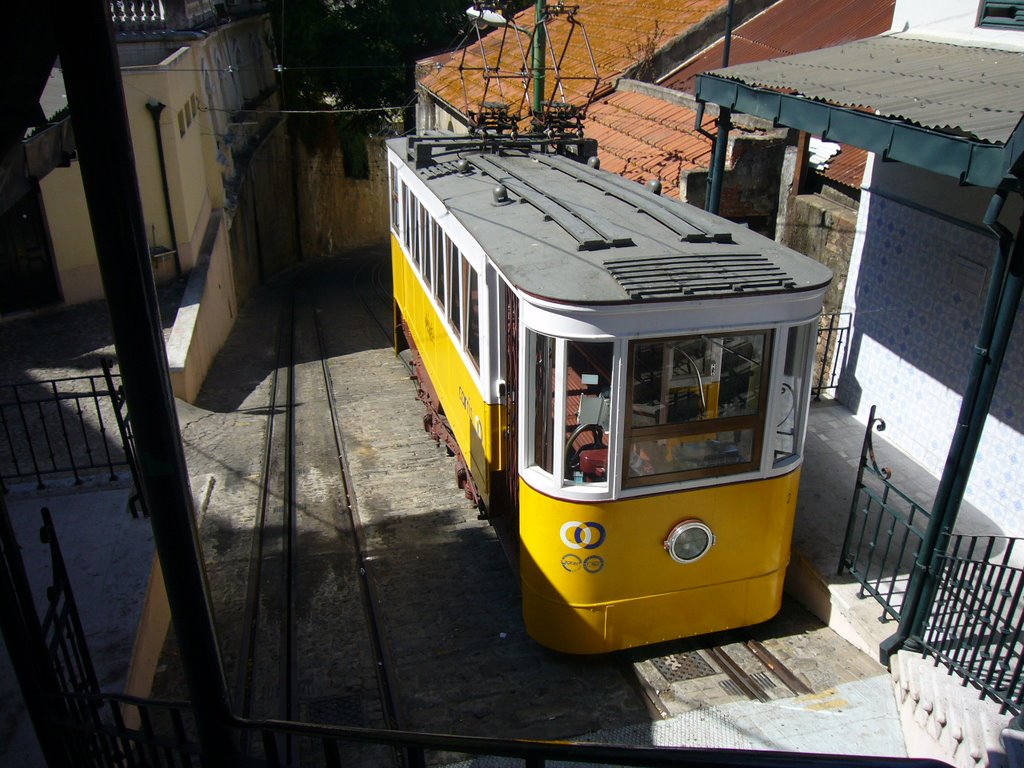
(510, 437)
(27, 277)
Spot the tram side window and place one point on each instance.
(696, 407)
(792, 396)
(587, 410)
(542, 350)
(436, 258)
(422, 234)
(454, 292)
(393, 186)
(471, 286)
(410, 219)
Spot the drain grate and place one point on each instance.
(682, 666)
(342, 710)
(763, 679)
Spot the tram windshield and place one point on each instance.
(696, 406)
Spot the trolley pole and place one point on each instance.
(540, 41)
(92, 78)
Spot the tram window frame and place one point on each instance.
(454, 288)
(395, 191)
(422, 236)
(689, 429)
(586, 392)
(440, 267)
(795, 376)
(409, 219)
(436, 259)
(471, 311)
(542, 351)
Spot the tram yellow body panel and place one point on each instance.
(476, 424)
(597, 578)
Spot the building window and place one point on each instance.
(1002, 14)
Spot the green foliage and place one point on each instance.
(359, 53)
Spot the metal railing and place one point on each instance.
(66, 428)
(974, 618)
(161, 15)
(165, 737)
(884, 531)
(831, 351)
(975, 626)
(58, 427)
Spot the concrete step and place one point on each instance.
(944, 719)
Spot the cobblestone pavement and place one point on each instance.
(68, 341)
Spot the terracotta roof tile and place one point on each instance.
(618, 31)
(847, 167)
(642, 138)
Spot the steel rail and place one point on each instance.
(737, 674)
(383, 665)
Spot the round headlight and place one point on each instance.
(689, 541)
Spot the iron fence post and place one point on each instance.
(22, 633)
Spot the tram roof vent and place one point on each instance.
(699, 275)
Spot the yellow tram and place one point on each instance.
(624, 378)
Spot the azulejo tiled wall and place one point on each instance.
(918, 299)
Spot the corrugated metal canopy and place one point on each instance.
(948, 108)
(787, 28)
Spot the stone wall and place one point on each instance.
(338, 212)
(262, 224)
(823, 229)
(753, 175)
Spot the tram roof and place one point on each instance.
(569, 233)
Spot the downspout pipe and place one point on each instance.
(96, 97)
(1006, 286)
(155, 108)
(716, 173)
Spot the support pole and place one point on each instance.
(716, 174)
(540, 42)
(1004, 294)
(93, 81)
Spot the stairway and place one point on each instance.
(945, 720)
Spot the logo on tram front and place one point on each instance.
(577, 535)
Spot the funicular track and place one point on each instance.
(311, 642)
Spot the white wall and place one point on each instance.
(950, 21)
(917, 284)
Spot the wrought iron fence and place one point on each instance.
(884, 530)
(65, 428)
(831, 351)
(975, 625)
